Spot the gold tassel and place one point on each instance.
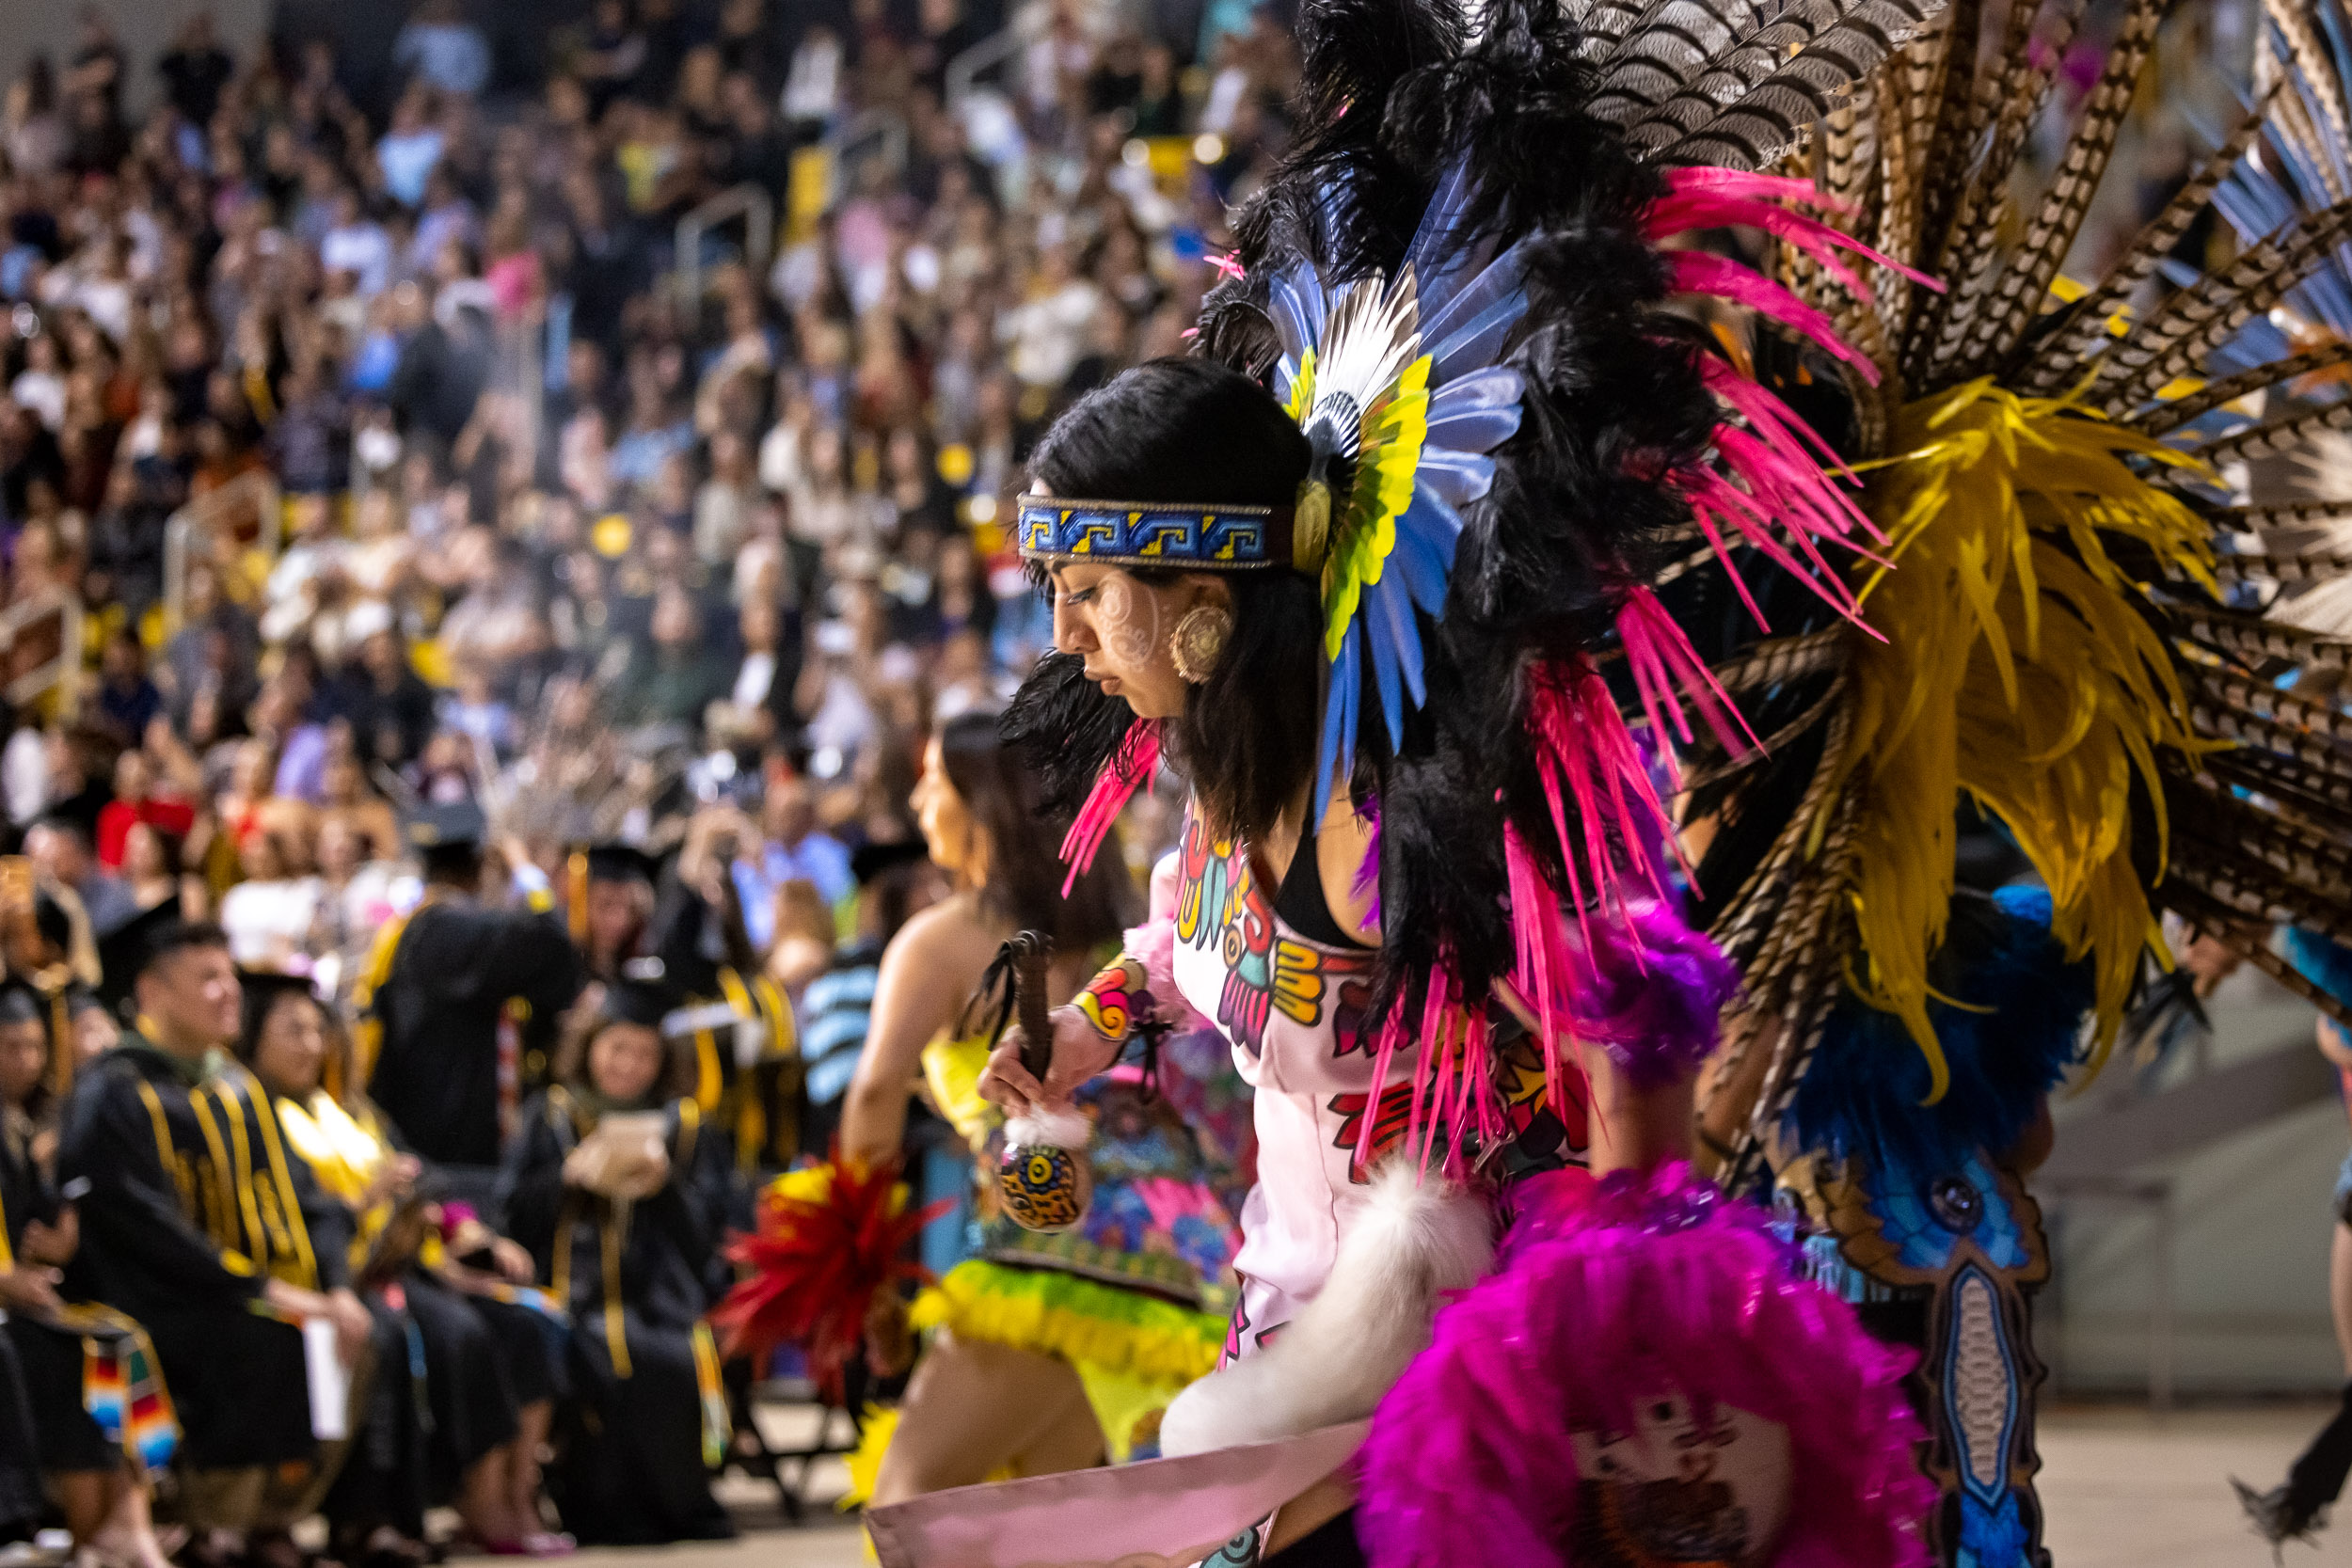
(576, 895)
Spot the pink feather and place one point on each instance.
(1615, 1292)
(1584, 753)
(1697, 272)
(1133, 763)
(1721, 198)
(1666, 669)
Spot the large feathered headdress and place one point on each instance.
(2072, 639)
(1471, 283)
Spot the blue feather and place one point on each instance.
(1458, 478)
(1354, 710)
(1390, 617)
(1497, 386)
(2301, 173)
(1439, 266)
(1862, 1090)
(1294, 308)
(1481, 338)
(1419, 560)
(1431, 514)
(1503, 280)
(1476, 429)
(2332, 21)
(1408, 659)
(1476, 412)
(1339, 721)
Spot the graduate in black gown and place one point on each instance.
(619, 1188)
(458, 1421)
(194, 1221)
(682, 934)
(58, 1357)
(438, 986)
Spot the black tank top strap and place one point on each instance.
(1299, 902)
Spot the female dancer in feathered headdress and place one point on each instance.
(1375, 574)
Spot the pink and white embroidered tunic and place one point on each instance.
(1291, 1004)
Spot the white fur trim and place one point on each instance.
(1408, 1246)
(1067, 1130)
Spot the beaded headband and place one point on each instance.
(1208, 538)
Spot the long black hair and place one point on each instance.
(1190, 429)
(1005, 799)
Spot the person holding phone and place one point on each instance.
(620, 1188)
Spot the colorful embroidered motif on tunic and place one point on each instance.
(1220, 903)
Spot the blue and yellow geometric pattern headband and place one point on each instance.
(1139, 533)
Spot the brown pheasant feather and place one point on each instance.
(1784, 658)
(2200, 318)
(2264, 701)
(2019, 295)
(2167, 417)
(2060, 355)
(2292, 18)
(2275, 437)
(2252, 639)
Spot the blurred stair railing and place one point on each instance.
(255, 491)
(2099, 1155)
(747, 201)
(871, 134)
(1000, 48)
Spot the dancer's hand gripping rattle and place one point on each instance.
(1042, 1174)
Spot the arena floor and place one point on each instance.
(2125, 1490)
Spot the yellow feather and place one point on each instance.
(2016, 672)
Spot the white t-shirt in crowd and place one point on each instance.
(267, 922)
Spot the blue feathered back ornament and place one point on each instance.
(2009, 1008)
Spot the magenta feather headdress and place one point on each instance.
(1615, 1292)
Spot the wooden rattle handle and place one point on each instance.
(1032, 952)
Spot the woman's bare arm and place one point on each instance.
(927, 972)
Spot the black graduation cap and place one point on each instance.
(869, 861)
(620, 862)
(634, 1002)
(123, 953)
(444, 825)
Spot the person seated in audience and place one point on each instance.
(268, 915)
(620, 1192)
(55, 1349)
(487, 1385)
(174, 1166)
(152, 866)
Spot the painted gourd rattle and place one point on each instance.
(1042, 1175)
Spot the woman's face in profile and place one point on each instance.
(1121, 627)
(941, 812)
